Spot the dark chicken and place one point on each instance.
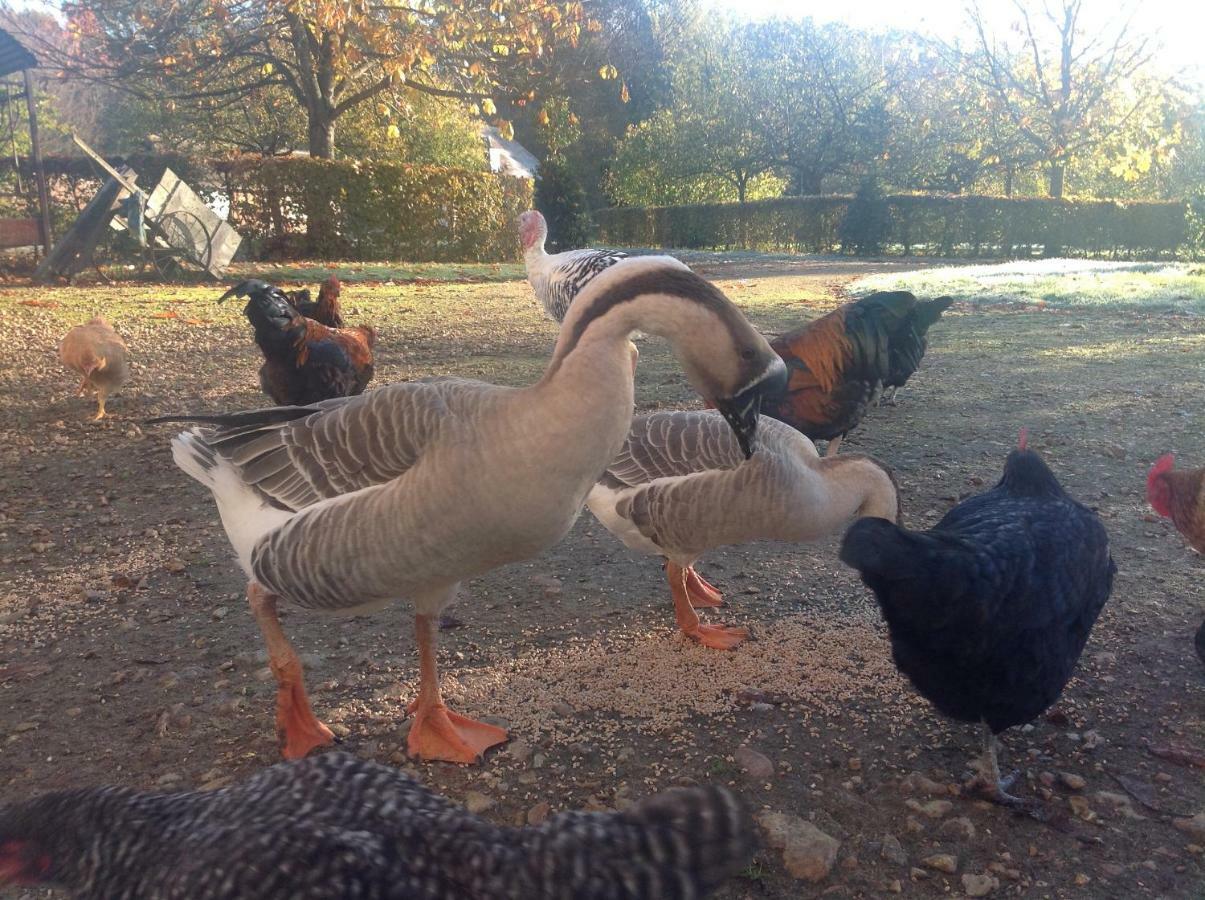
(335, 826)
(989, 611)
(838, 364)
(305, 360)
(908, 344)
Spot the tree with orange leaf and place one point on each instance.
(328, 55)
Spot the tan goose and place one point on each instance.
(404, 492)
(680, 486)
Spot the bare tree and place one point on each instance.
(1062, 87)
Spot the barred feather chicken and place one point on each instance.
(838, 365)
(335, 826)
(305, 361)
(907, 346)
(97, 352)
(990, 609)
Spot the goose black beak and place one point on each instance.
(741, 411)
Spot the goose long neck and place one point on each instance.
(858, 486)
(664, 298)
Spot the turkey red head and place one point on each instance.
(1158, 490)
(532, 229)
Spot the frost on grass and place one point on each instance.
(1063, 283)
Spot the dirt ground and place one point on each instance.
(128, 655)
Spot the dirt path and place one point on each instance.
(127, 653)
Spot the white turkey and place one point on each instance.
(558, 277)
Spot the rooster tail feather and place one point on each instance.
(682, 843)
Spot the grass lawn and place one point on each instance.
(1060, 283)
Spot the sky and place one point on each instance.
(1178, 24)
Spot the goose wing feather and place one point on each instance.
(298, 456)
(681, 484)
(674, 444)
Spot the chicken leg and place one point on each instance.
(297, 728)
(437, 732)
(101, 396)
(831, 449)
(721, 637)
(991, 784)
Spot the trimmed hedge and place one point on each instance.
(375, 210)
(947, 225)
(299, 206)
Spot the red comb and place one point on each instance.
(1158, 495)
(1023, 438)
(1163, 464)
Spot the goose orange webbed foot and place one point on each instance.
(297, 728)
(702, 593)
(718, 637)
(440, 734)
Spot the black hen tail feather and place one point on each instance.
(683, 843)
(929, 311)
(927, 567)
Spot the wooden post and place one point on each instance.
(39, 172)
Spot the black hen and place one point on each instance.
(990, 610)
(304, 360)
(334, 826)
(908, 344)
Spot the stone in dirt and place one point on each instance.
(934, 809)
(941, 862)
(477, 802)
(960, 828)
(1072, 781)
(979, 885)
(916, 783)
(538, 813)
(758, 765)
(1194, 827)
(807, 852)
(893, 851)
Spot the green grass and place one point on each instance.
(315, 271)
(1059, 283)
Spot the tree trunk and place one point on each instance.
(807, 182)
(322, 135)
(1057, 171)
(320, 213)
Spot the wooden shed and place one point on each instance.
(26, 232)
